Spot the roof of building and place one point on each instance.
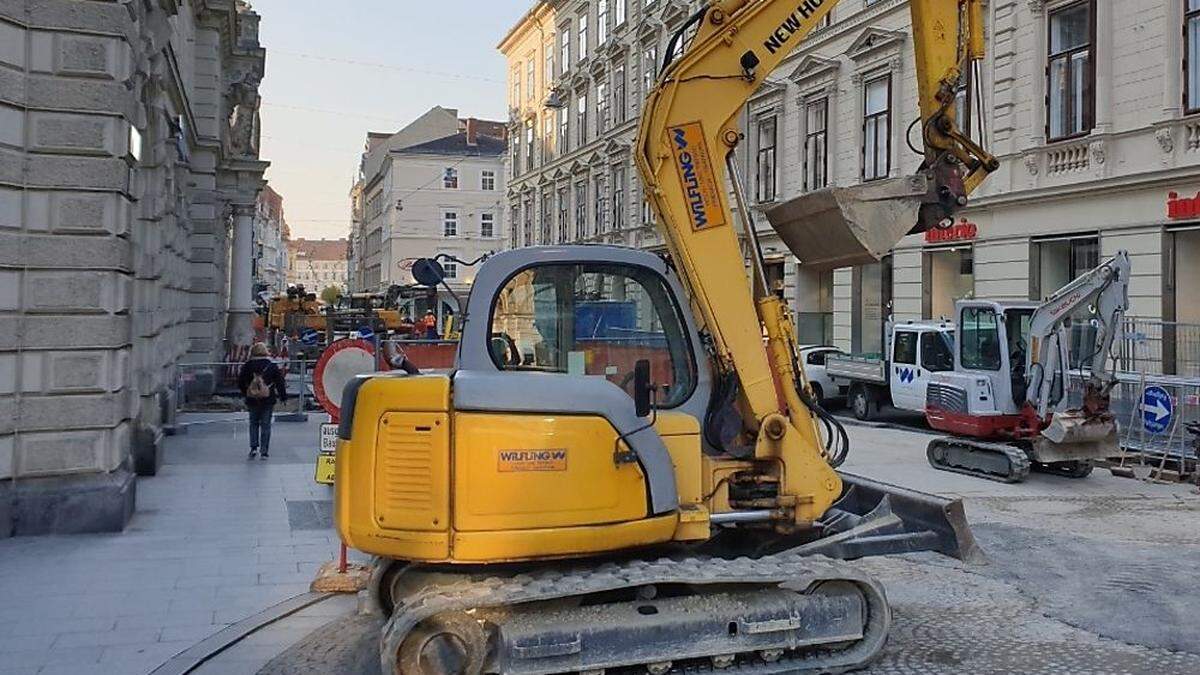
(457, 145)
(319, 249)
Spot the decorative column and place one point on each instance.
(241, 306)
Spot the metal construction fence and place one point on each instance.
(1152, 413)
(1156, 347)
(213, 386)
(206, 387)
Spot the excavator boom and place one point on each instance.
(688, 134)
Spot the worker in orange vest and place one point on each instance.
(429, 324)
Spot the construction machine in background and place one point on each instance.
(1011, 374)
(620, 474)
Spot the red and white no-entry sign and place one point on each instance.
(341, 362)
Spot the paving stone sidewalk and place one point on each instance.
(215, 539)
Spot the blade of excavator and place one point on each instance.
(875, 518)
(843, 227)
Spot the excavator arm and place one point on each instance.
(685, 149)
(1106, 289)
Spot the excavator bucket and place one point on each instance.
(1074, 436)
(843, 227)
(875, 518)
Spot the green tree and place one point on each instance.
(331, 294)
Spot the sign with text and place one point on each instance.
(1183, 208)
(963, 230)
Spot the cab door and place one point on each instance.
(907, 392)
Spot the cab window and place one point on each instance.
(905, 350)
(979, 336)
(593, 320)
(937, 351)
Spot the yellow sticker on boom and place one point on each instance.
(511, 461)
(697, 176)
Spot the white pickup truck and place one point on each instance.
(915, 350)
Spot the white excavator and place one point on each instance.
(1004, 399)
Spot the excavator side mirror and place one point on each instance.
(642, 388)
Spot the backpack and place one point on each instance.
(258, 388)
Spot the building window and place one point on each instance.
(450, 178)
(487, 225)
(514, 148)
(516, 87)
(564, 131)
(547, 136)
(451, 270)
(618, 187)
(450, 224)
(547, 217)
(601, 21)
(564, 60)
(514, 217)
(528, 228)
(602, 107)
(487, 180)
(649, 69)
(530, 78)
(581, 120)
(583, 30)
(816, 144)
(564, 208)
(877, 128)
(1057, 262)
(619, 11)
(620, 103)
(549, 75)
(1070, 73)
(601, 204)
(530, 134)
(581, 228)
(1191, 56)
(765, 163)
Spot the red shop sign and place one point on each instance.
(963, 230)
(1179, 208)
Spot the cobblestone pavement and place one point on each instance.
(211, 543)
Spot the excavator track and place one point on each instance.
(784, 613)
(994, 461)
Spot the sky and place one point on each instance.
(336, 70)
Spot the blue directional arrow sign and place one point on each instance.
(1158, 409)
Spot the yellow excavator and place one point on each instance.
(625, 471)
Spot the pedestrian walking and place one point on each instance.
(262, 383)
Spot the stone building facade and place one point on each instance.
(317, 264)
(434, 187)
(128, 162)
(1088, 107)
(578, 71)
(271, 237)
(1093, 108)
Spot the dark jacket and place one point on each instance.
(270, 374)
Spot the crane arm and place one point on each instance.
(1106, 289)
(684, 153)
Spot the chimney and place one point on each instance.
(472, 132)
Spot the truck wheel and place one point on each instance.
(862, 403)
(818, 394)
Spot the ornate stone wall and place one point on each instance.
(119, 125)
